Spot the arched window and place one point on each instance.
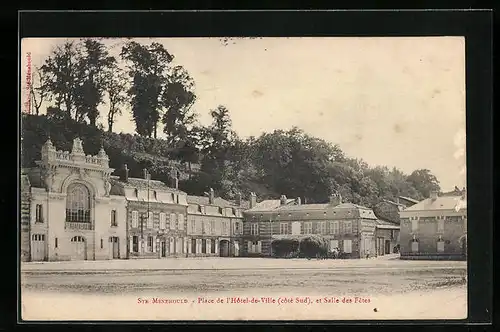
(78, 203)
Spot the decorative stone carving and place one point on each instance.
(77, 146)
(81, 173)
(107, 186)
(47, 176)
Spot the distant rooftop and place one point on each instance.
(439, 203)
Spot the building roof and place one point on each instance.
(269, 204)
(384, 224)
(139, 183)
(408, 199)
(203, 200)
(313, 210)
(440, 203)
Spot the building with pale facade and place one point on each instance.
(68, 212)
(215, 226)
(435, 228)
(352, 228)
(155, 214)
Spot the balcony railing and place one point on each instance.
(83, 226)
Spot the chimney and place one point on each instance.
(298, 201)
(283, 200)
(335, 199)
(253, 200)
(211, 196)
(434, 195)
(397, 199)
(124, 176)
(145, 171)
(175, 180)
(238, 199)
(464, 193)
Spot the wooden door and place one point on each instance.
(38, 247)
(116, 247)
(79, 248)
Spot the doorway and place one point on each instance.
(163, 248)
(38, 247)
(224, 248)
(463, 246)
(387, 247)
(115, 247)
(79, 248)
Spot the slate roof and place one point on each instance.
(409, 199)
(203, 200)
(313, 210)
(269, 204)
(143, 184)
(440, 203)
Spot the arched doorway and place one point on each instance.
(78, 248)
(463, 245)
(224, 248)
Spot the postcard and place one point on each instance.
(257, 178)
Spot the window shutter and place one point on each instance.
(135, 219)
(181, 221)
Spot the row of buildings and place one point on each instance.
(72, 208)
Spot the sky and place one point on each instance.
(394, 101)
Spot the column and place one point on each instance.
(154, 243)
(216, 246)
(189, 246)
(131, 244)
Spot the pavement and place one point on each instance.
(235, 263)
(289, 289)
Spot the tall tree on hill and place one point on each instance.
(60, 70)
(177, 99)
(147, 65)
(424, 182)
(115, 85)
(215, 142)
(296, 164)
(93, 63)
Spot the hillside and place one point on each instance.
(281, 162)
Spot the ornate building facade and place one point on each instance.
(72, 215)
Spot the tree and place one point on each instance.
(93, 63)
(38, 91)
(296, 164)
(424, 181)
(215, 142)
(115, 85)
(147, 67)
(60, 70)
(177, 98)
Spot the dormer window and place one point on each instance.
(200, 210)
(136, 192)
(221, 211)
(154, 194)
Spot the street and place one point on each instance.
(139, 282)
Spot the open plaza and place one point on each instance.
(246, 288)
